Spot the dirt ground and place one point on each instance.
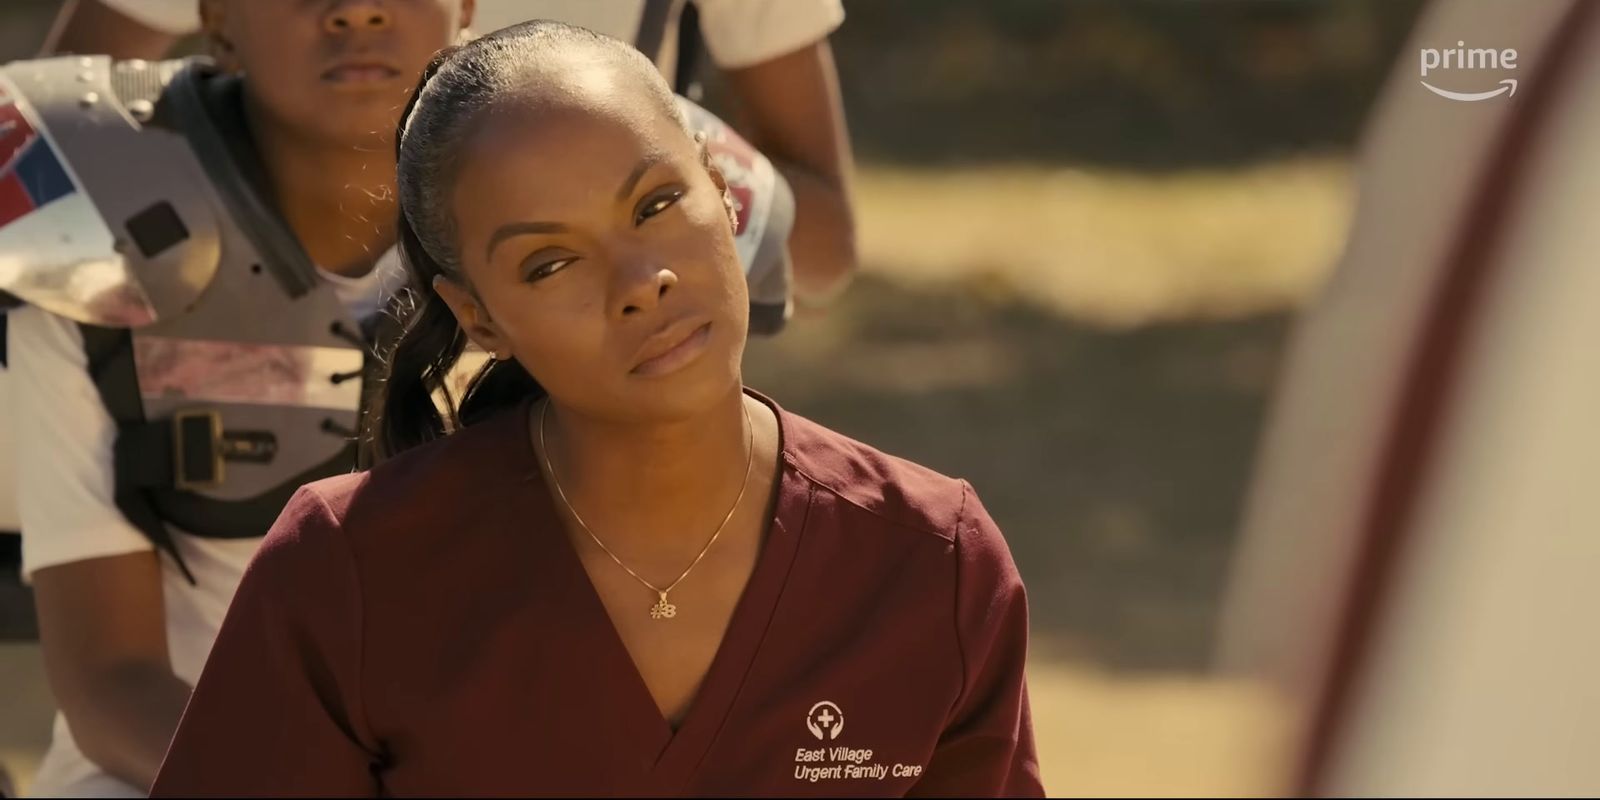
(1094, 352)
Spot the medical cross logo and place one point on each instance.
(825, 721)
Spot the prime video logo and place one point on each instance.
(1461, 57)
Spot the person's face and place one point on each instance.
(336, 70)
(600, 253)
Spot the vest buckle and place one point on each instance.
(197, 458)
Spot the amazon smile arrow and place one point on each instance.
(1508, 87)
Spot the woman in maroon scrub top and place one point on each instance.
(633, 577)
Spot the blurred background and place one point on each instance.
(1085, 228)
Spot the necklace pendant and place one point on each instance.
(663, 609)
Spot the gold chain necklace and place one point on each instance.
(662, 609)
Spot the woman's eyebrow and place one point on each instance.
(637, 174)
(511, 229)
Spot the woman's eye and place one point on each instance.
(548, 268)
(656, 205)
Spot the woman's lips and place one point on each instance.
(678, 356)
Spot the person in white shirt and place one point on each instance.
(126, 626)
(774, 54)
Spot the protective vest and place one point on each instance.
(230, 367)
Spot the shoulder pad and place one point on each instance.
(104, 214)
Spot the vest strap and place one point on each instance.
(189, 451)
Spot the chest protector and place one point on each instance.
(232, 370)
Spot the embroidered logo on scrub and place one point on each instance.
(825, 721)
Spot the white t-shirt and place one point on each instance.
(63, 438)
(737, 33)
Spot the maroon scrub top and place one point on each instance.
(428, 629)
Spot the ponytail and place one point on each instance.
(413, 404)
(403, 411)
(498, 386)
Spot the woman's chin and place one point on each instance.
(688, 393)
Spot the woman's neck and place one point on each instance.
(657, 483)
(338, 199)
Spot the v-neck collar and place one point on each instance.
(668, 759)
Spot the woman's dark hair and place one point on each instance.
(459, 84)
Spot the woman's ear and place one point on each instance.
(472, 316)
(469, 9)
(719, 180)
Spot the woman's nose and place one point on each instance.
(643, 288)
